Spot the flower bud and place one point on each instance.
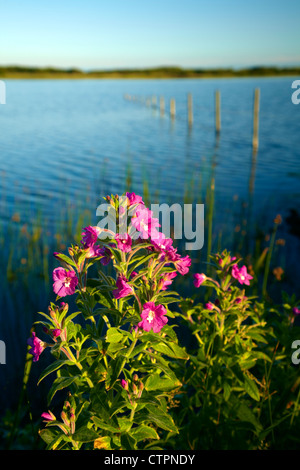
(209, 306)
(71, 251)
(65, 419)
(141, 388)
(72, 421)
(49, 416)
(56, 332)
(124, 384)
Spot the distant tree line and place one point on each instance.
(17, 71)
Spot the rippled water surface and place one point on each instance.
(64, 140)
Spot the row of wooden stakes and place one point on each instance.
(152, 102)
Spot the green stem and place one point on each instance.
(268, 261)
(295, 407)
(269, 405)
(132, 346)
(67, 351)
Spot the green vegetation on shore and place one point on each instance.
(158, 72)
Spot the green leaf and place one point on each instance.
(53, 367)
(171, 349)
(124, 424)
(155, 382)
(70, 317)
(144, 432)
(46, 316)
(162, 348)
(104, 299)
(59, 384)
(168, 300)
(161, 419)
(226, 391)
(66, 259)
(137, 350)
(265, 432)
(143, 260)
(49, 435)
(114, 336)
(257, 336)
(114, 348)
(127, 442)
(85, 435)
(179, 352)
(261, 355)
(245, 414)
(103, 443)
(251, 388)
(162, 364)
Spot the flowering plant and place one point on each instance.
(120, 364)
(234, 393)
(124, 379)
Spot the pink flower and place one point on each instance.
(166, 280)
(209, 306)
(171, 255)
(48, 416)
(241, 274)
(124, 242)
(56, 332)
(106, 255)
(90, 235)
(153, 317)
(134, 199)
(183, 265)
(160, 242)
(198, 279)
(94, 251)
(65, 282)
(124, 384)
(123, 289)
(143, 222)
(296, 311)
(37, 346)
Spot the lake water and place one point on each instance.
(61, 139)
(66, 144)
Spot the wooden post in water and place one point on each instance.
(172, 108)
(162, 105)
(255, 119)
(190, 109)
(154, 101)
(218, 111)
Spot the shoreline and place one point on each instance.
(18, 72)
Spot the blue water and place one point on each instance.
(66, 144)
(60, 140)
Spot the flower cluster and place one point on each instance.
(123, 363)
(229, 272)
(143, 285)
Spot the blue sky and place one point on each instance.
(130, 33)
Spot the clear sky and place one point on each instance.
(107, 34)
